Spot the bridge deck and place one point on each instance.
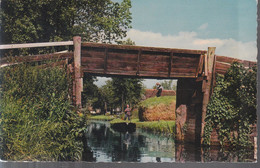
(137, 61)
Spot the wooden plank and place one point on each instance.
(152, 49)
(184, 65)
(185, 70)
(123, 57)
(222, 66)
(154, 58)
(230, 60)
(33, 45)
(227, 59)
(199, 68)
(170, 64)
(35, 58)
(154, 68)
(151, 64)
(143, 74)
(138, 61)
(105, 60)
(121, 66)
(93, 54)
(184, 58)
(86, 61)
(205, 65)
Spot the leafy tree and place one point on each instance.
(55, 20)
(232, 108)
(30, 21)
(168, 85)
(127, 90)
(109, 96)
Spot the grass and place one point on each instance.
(102, 117)
(164, 127)
(167, 100)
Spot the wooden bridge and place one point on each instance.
(194, 69)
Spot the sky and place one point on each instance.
(228, 25)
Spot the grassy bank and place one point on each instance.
(166, 100)
(157, 108)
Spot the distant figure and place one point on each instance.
(159, 88)
(127, 113)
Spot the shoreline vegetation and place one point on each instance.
(38, 121)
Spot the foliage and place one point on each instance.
(108, 95)
(168, 85)
(127, 42)
(37, 119)
(232, 108)
(128, 91)
(90, 94)
(59, 20)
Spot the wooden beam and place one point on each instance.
(206, 86)
(211, 56)
(200, 66)
(206, 65)
(35, 58)
(77, 71)
(33, 45)
(152, 49)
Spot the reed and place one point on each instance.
(38, 121)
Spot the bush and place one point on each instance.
(232, 108)
(38, 121)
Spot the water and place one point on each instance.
(104, 144)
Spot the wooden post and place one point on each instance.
(77, 71)
(207, 84)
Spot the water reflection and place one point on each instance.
(103, 144)
(108, 145)
(194, 153)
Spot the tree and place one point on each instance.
(108, 95)
(127, 90)
(56, 20)
(167, 85)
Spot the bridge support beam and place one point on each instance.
(192, 100)
(207, 85)
(188, 110)
(78, 80)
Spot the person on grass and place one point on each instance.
(159, 88)
(127, 113)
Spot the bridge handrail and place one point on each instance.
(33, 45)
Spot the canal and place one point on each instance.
(103, 144)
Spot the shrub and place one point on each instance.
(38, 121)
(232, 108)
